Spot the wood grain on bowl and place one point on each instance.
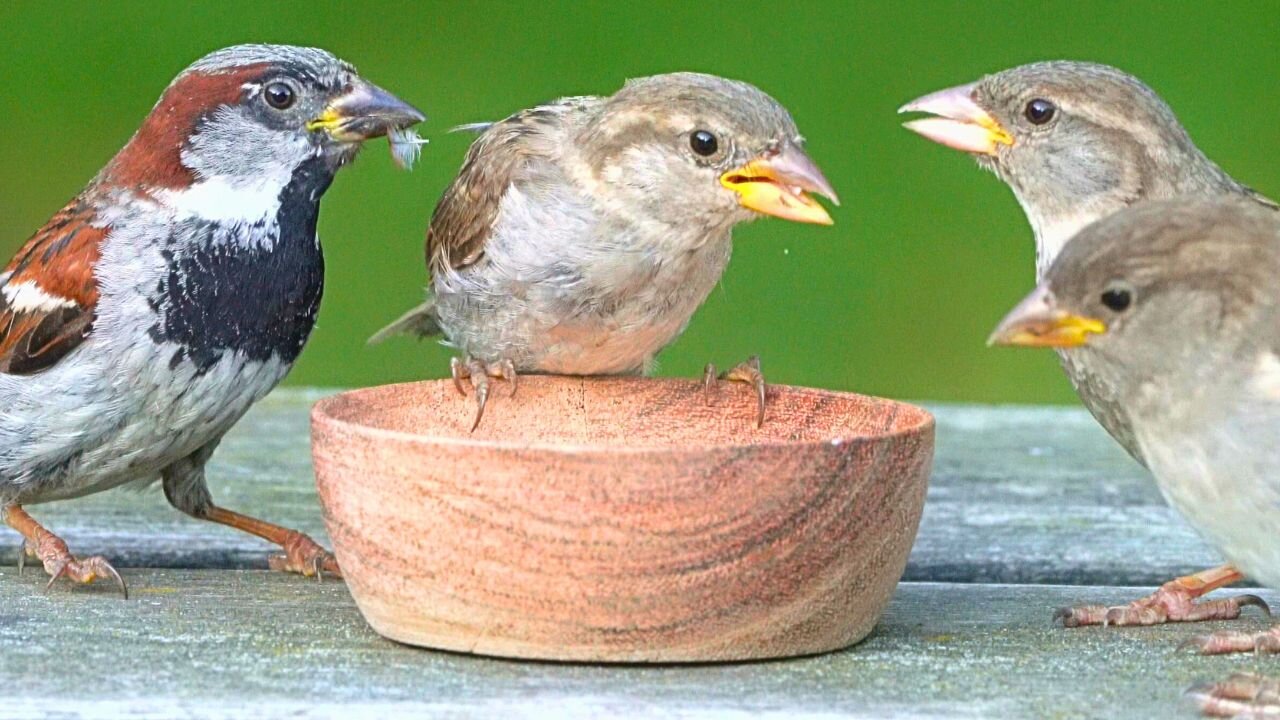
(624, 520)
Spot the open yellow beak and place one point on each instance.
(960, 124)
(1038, 322)
(777, 184)
(364, 112)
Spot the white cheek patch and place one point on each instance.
(220, 200)
(26, 296)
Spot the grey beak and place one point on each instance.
(366, 111)
(794, 166)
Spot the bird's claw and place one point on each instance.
(59, 563)
(1171, 603)
(747, 372)
(480, 383)
(24, 549)
(54, 555)
(1242, 695)
(1232, 641)
(304, 556)
(458, 370)
(1255, 601)
(479, 372)
(1066, 615)
(84, 571)
(507, 371)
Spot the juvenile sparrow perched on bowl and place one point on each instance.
(580, 236)
(1174, 304)
(1077, 142)
(176, 290)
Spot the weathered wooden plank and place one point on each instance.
(1037, 495)
(249, 644)
(1044, 495)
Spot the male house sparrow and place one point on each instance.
(1174, 305)
(580, 236)
(1077, 142)
(177, 289)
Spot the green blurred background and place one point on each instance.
(927, 252)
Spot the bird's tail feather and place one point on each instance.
(420, 321)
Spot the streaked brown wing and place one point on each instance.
(48, 294)
(464, 217)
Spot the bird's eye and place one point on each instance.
(1040, 111)
(1117, 298)
(703, 143)
(279, 95)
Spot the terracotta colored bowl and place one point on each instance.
(621, 520)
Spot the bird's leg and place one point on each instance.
(185, 488)
(747, 372)
(1230, 641)
(1173, 602)
(479, 372)
(301, 554)
(52, 552)
(1243, 695)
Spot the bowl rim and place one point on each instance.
(319, 413)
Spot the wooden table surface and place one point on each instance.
(1029, 509)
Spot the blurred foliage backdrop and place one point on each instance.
(897, 299)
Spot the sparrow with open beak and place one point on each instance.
(1074, 141)
(1077, 142)
(1174, 305)
(580, 236)
(176, 290)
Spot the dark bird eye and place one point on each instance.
(279, 96)
(703, 143)
(1117, 299)
(1040, 111)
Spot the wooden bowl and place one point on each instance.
(621, 519)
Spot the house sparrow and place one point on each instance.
(1077, 142)
(1174, 305)
(175, 290)
(580, 236)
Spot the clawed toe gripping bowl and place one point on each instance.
(621, 520)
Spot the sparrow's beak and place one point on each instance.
(1037, 321)
(776, 184)
(365, 111)
(960, 123)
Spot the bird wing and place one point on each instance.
(498, 159)
(48, 293)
